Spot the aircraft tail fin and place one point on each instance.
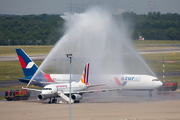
(28, 66)
(85, 75)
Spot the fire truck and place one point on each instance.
(168, 86)
(16, 95)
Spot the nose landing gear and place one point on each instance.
(150, 93)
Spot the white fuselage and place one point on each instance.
(52, 89)
(133, 82)
(124, 81)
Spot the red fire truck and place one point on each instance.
(16, 95)
(168, 86)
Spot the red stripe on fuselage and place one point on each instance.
(48, 77)
(23, 64)
(117, 81)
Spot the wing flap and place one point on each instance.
(91, 91)
(95, 85)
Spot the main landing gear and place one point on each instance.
(77, 101)
(54, 100)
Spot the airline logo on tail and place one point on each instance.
(24, 65)
(28, 66)
(85, 75)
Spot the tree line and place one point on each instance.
(30, 29)
(47, 29)
(154, 25)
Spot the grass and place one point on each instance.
(158, 66)
(2, 98)
(143, 45)
(159, 56)
(10, 50)
(18, 87)
(156, 42)
(152, 48)
(12, 69)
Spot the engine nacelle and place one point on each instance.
(41, 97)
(76, 97)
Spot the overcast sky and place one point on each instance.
(25, 7)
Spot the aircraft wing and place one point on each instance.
(22, 79)
(95, 85)
(36, 81)
(62, 81)
(37, 90)
(91, 91)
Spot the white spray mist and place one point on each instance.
(95, 37)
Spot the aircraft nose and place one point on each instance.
(159, 84)
(43, 92)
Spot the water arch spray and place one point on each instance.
(96, 37)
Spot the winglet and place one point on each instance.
(85, 75)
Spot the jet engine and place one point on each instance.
(76, 97)
(41, 97)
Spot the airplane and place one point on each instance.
(29, 68)
(121, 81)
(63, 90)
(52, 89)
(133, 82)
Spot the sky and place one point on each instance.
(26, 7)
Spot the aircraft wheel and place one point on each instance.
(150, 95)
(49, 101)
(54, 100)
(9, 99)
(150, 91)
(77, 101)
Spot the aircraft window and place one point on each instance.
(155, 80)
(47, 88)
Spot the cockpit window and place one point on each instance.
(155, 80)
(47, 88)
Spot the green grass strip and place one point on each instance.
(12, 69)
(10, 50)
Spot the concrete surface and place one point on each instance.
(126, 105)
(24, 110)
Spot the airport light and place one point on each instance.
(69, 56)
(163, 67)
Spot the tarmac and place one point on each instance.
(125, 105)
(23, 110)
